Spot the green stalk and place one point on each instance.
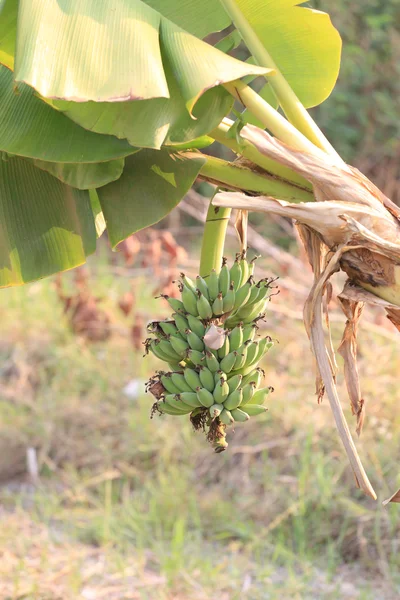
(246, 149)
(269, 117)
(212, 248)
(291, 105)
(237, 177)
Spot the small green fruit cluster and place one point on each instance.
(212, 349)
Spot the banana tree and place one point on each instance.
(107, 106)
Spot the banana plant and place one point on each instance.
(106, 106)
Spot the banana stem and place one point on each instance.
(291, 105)
(269, 117)
(212, 248)
(237, 177)
(220, 134)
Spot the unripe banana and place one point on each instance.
(212, 283)
(204, 309)
(218, 305)
(264, 345)
(242, 295)
(190, 399)
(239, 415)
(260, 396)
(187, 282)
(212, 362)
(169, 328)
(228, 362)
(189, 300)
(207, 378)
(221, 391)
(205, 397)
(252, 264)
(224, 350)
(255, 409)
(249, 332)
(236, 338)
(176, 366)
(179, 381)
(192, 378)
(244, 265)
(155, 349)
(215, 410)
(234, 399)
(194, 341)
(251, 376)
(229, 300)
(174, 401)
(168, 384)
(252, 351)
(165, 408)
(175, 304)
(241, 358)
(179, 346)
(235, 274)
(195, 357)
(201, 285)
(195, 325)
(248, 392)
(224, 278)
(181, 322)
(254, 293)
(226, 418)
(234, 382)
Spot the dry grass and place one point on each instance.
(128, 508)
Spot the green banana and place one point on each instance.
(212, 362)
(195, 325)
(249, 332)
(187, 282)
(207, 378)
(241, 358)
(234, 382)
(252, 351)
(236, 337)
(165, 408)
(220, 375)
(205, 397)
(175, 304)
(252, 264)
(179, 346)
(218, 305)
(234, 399)
(221, 391)
(260, 396)
(195, 357)
(190, 399)
(180, 322)
(174, 401)
(224, 350)
(215, 410)
(213, 289)
(158, 352)
(192, 378)
(229, 300)
(179, 381)
(242, 295)
(235, 273)
(169, 328)
(224, 278)
(194, 341)
(169, 385)
(228, 362)
(248, 392)
(189, 299)
(255, 409)
(226, 418)
(239, 415)
(244, 266)
(204, 309)
(202, 286)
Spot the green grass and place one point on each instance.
(128, 507)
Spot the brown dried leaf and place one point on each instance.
(241, 223)
(393, 498)
(348, 350)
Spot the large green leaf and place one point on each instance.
(31, 128)
(303, 43)
(152, 184)
(84, 176)
(83, 52)
(8, 30)
(45, 225)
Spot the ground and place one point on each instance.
(124, 507)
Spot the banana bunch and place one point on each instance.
(212, 349)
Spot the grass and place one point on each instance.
(132, 508)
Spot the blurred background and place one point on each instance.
(98, 501)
